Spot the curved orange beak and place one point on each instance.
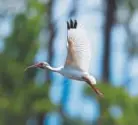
(32, 66)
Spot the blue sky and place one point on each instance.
(93, 22)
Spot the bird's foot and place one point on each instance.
(99, 93)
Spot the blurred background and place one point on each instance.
(35, 30)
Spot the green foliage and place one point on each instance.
(20, 96)
(116, 96)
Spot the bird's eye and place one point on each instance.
(40, 64)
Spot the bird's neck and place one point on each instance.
(54, 69)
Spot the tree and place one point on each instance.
(52, 34)
(117, 98)
(21, 97)
(109, 20)
(66, 82)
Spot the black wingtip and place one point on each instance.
(75, 24)
(68, 27)
(72, 25)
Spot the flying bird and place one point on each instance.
(78, 57)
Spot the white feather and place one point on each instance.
(81, 50)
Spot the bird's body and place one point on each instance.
(72, 73)
(78, 57)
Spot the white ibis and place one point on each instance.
(78, 58)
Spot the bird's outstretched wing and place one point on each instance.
(79, 48)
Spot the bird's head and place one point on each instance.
(41, 65)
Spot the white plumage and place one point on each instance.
(79, 50)
(78, 57)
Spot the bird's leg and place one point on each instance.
(96, 90)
